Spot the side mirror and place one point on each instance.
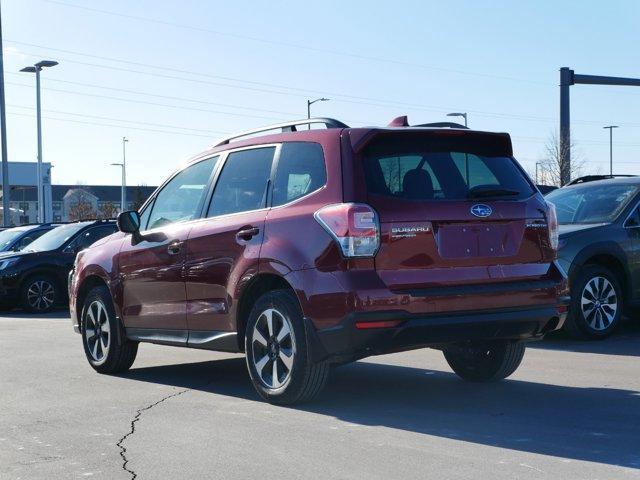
(129, 222)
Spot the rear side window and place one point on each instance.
(242, 185)
(300, 171)
(416, 173)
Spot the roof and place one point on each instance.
(607, 181)
(289, 132)
(105, 193)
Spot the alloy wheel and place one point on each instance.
(599, 303)
(41, 294)
(273, 348)
(97, 332)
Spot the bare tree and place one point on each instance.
(552, 164)
(108, 210)
(81, 209)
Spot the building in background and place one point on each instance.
(23, 177)
(75, 202)
(64, 203)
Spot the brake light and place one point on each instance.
(354, 227)
(552, 222)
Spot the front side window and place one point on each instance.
(178, 201)
(242, 185)
(591, 203)
(92, 235)
(300, 171)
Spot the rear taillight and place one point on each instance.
(552, 222)
(354, 226)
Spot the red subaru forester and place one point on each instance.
(306, 248)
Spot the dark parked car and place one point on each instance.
(36, 278)
(16, 238)
(599, 247)
(316, 247)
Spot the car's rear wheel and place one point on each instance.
(596, 303)
(278, 356)
(105, 345)
(485, 362)
(39, 294)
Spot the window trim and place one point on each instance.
(223, 162)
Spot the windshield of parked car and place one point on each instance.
(7, 237)
(55, 238)
(596, 203)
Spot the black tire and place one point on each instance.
(485, 362)
(120, 352)
(39, 293)
(589, 327)
(305, 379)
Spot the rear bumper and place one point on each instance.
(363, 334)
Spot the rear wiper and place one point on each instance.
(483, 192)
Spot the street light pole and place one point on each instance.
(36, 69)
(537, 164)
(611, 127)
(459, 114)
(466, 156)
(311, 102)
(124, 175)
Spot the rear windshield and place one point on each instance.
(421, 174)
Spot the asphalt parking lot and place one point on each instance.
(572, 411)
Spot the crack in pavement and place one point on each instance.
(120, 444)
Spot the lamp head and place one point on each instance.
(46, 63)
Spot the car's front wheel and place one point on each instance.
(485, 362)
(39, 294)
(105, 345)
(278, 357)
(596, 303)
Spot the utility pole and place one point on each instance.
(610, 128)
(124, 174)
(123, 166)
(6, 210)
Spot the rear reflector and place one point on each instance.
(563, 308)
(380, 324)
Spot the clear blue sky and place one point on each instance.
(225, 61)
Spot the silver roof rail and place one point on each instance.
(284, 127)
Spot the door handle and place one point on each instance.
(174, 248)
(247, 233)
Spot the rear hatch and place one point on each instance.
(455, 208)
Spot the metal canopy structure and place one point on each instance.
(567, 78)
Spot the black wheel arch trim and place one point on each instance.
(611, 249)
